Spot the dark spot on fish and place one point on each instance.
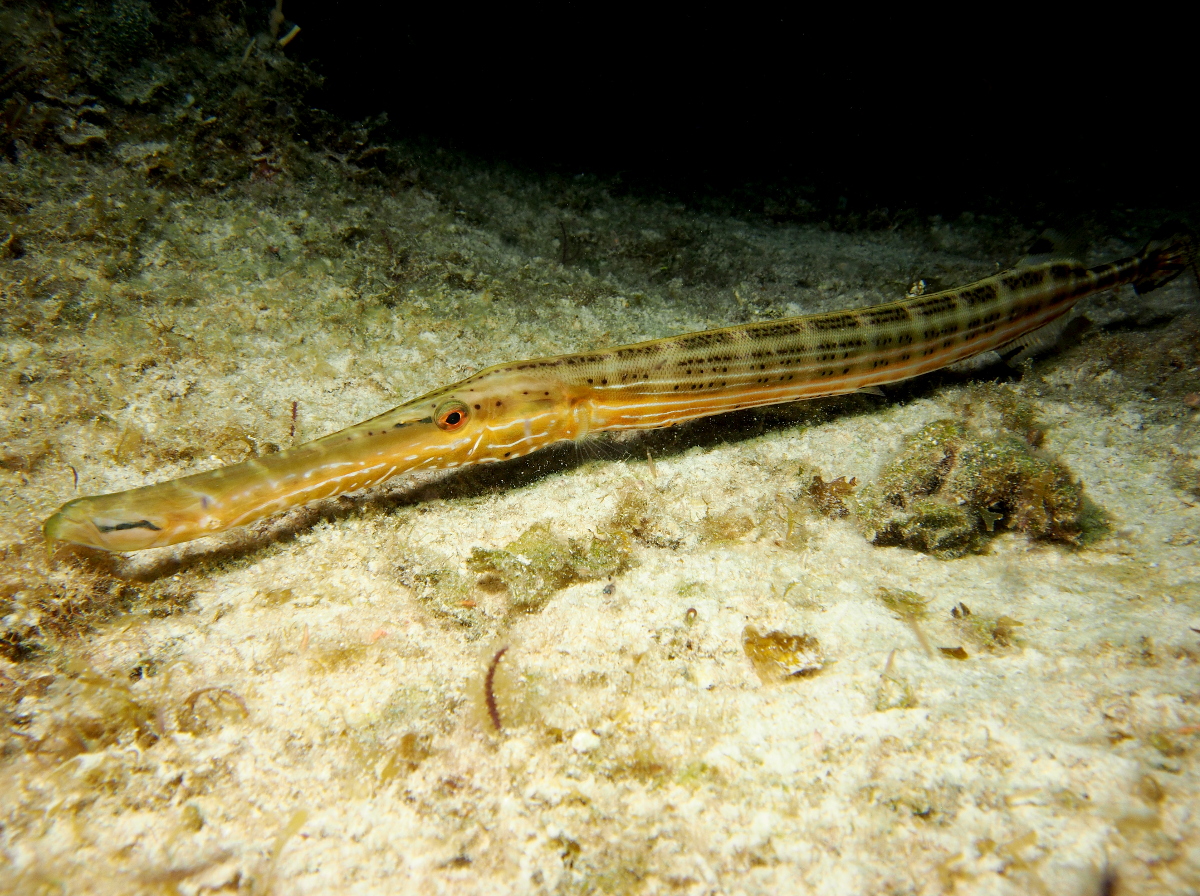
(120, 527)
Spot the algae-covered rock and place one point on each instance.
(951, 487)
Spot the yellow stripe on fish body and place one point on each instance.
(509, 410)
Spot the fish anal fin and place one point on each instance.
(975, 363)
(1035, 341)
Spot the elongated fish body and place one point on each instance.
(512, 409)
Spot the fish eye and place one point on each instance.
(451, 415)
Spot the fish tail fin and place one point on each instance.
(1164, 258)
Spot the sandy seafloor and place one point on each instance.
(295, 709)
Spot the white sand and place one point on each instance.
(640, 753)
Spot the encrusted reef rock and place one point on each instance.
(952, 486)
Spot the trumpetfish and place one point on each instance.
(510, 410)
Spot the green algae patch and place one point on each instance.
(447, 593)
(951, 488)
(905, 604)
(538, 563)
(992, 633)
(525, 574)
(910, 607)
(727, 527)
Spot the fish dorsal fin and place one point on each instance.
(1055, 245)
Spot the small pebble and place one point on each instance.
(584, 741)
